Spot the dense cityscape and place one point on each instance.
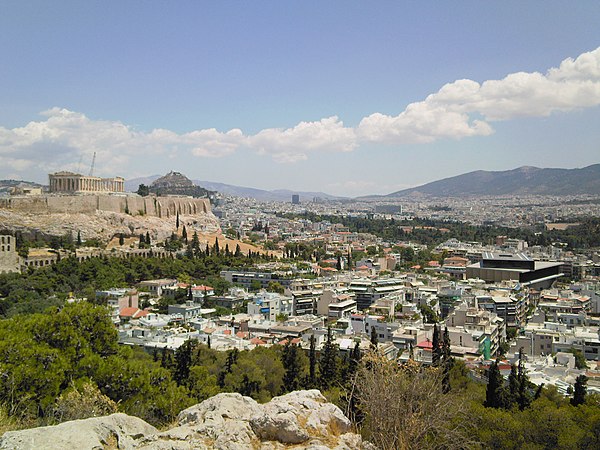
(299, 225)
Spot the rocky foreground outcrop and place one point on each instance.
(298, 420)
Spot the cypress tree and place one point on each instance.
(184, 234)
(354, 359)
(238, 251)
(523, 398)
(374, 340)
(329, 362)
(183, 361)
(148, 241)
(196, 244)
(177, 221)
(121, 239)
(580, 390)
(436, 351)
(79, 238)
(495, 393)
(447, 361)
(513, 384)
(312, 361)
(289, 358)
(216, 246)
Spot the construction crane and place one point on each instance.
(92, 166)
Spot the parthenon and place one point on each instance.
(74, 182)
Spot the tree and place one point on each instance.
(329, 362)
(275, 286)
(216, 246)
(436, 351)
(183, 361)
(184, 235)
(79, 243)
(121, 239)
(404, 409)
(580, 390)
(238, 251)
(196, 244)
(523, 397)
(580, 361)
(312, 360)
(177, 221)
(338, 264)
(143, 190)
(447, 361)
(291, 363)
(495, 395)
(513, 384)
(374, 340)
(148, 241)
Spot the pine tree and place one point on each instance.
(436, 351)
(580, 390)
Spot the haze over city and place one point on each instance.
(338, 97)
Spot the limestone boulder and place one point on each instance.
(298, 420)
(117, 431)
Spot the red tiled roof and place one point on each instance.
(202, 288)
(425, 344)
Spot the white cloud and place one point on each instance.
(294, 144)
(455, 110)
(60, 141)
(459, 109)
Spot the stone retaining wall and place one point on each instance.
(89, 204)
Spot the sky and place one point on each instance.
(348, 98)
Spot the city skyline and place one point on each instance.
(339, 98)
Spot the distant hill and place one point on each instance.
(7, 185)
(280, 195)
(175, 183)
(522, 181)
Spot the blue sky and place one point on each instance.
(345, 97)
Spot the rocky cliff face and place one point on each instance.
(299, 420)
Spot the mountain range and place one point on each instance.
(524, 180)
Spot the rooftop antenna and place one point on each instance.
(92, 166)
